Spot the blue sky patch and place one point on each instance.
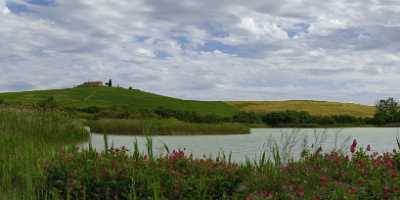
(298, 29)
(42, 2)
(213, 45)
(215, 30)
(17, 8)
(162, 54)
(141, 38)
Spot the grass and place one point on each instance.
(105, 97)
(317, 108)
(26, 139)
(164, 127)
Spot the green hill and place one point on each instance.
(134, 100)
(106, 97)
(321, 108)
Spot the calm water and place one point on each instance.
(290, 141)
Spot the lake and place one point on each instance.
(291, 141)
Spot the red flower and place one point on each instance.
(324, 180)
(394, 174)
(300, 192)
(353, 146)
(386, 191)
(353, 191)
(317, 198)
(175, 155)
(389, 163)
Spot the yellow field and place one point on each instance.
(321, 108)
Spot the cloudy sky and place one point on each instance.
(341, 50)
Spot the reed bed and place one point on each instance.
(26, 139)
(164, 127)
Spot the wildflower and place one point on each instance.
(353, 146)
(175, 155)
(353, 190)
(389, 163)
(394, 174)
(319, 150)
(316, 198)
(300, 192)
(386, 191)
(324, 180)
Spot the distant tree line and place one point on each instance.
(273, 118)
(387, 112)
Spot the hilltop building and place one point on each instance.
(92, 84)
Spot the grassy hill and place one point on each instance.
(105, 97)
(322, 108)
(133, 100)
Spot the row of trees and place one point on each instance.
(273, 118)
(387, 111)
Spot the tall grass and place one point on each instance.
(163, 127)
(26, 139)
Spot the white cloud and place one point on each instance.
(3, 8)
(144, 52)
(261, 29)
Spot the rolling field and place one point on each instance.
(321, 108)
(105, 97)
(134, 100)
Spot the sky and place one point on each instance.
(335, 50)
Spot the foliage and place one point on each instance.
(387, 111)
(109, 83)
(301, 117)
(247, 117)
(115, 174)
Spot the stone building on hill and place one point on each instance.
(92, 84)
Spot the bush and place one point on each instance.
(48, 104)
(247, 117)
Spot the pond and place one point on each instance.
(290, 141)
